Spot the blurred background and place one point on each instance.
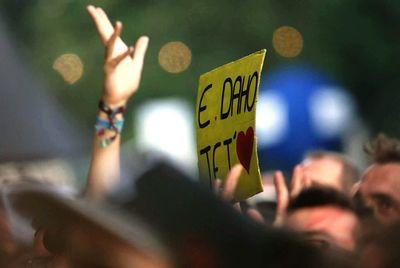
(329, 79)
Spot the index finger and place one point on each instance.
(282, 193)
(103, 25)
(140, 51)
(231, 182)
(296, 183)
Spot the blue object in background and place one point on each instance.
(299, 109)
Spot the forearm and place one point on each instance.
(104, 169)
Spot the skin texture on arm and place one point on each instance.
(122, 72)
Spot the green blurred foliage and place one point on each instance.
(356, 41)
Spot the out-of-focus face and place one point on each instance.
(325, 226)
(380, 190)
(324, 171)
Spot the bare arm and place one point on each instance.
(122, 71)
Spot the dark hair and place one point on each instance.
(321, 196)
(350, 172)
(383, 149)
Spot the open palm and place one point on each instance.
(123, 65)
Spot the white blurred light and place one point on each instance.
(166, 126)
(271, 118)
(331, 111)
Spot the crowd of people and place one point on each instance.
(332, 215)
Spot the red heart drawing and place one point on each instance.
(244, 147)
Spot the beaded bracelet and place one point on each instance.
(112, 123)
(111, 113)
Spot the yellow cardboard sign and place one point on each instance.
(225, 119)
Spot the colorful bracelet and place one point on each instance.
(111, 123)
(111, 113)
(117, 124)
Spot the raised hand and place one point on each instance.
(122, 71)
(299, 182)
(227, 191)
(123, 65)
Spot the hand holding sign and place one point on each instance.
(226, 120)
(227, 192)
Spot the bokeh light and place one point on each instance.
(70, 67)
(287, 41)
(175, 57)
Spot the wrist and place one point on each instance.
(111, 110)
(114, 104)
(114, 100)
